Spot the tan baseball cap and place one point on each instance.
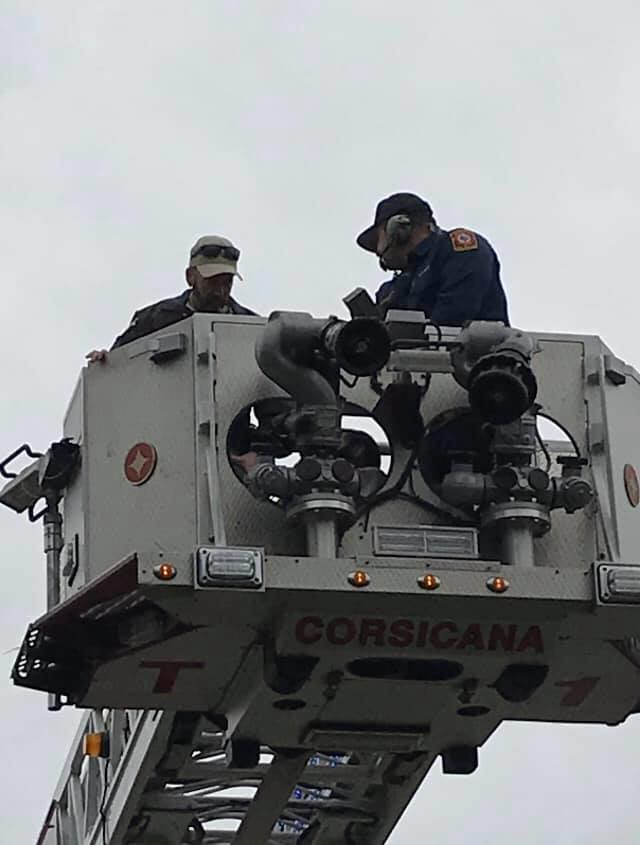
(213, 254)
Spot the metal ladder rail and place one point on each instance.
(281, 796)
(167, 775)
(359, 799)
(398, 776)
(95, 798)
(101, 801)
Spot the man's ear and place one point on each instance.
(188, 274)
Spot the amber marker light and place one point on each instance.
(165, 571)
(96, 745)
(429, 581)
(359, 578)
(498, 584)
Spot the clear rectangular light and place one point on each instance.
(619, 584)
(425, 541)
(218, 566)
(366, 739)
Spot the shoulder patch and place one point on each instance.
(463, 240)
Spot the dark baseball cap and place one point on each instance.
(395, 204)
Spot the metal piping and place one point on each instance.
(286, 333)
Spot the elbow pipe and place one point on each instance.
(493, 363)
(288, 340)
(481, 338)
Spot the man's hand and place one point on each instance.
(96, 355)
(246, 461)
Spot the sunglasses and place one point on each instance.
(230, 253)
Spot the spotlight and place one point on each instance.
(501, 387)
(361, 346)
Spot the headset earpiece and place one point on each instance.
(398, 229)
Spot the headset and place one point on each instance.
(398, 230)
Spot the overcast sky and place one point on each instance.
(128, 129)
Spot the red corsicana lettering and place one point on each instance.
(309, 630)
(421, 636)
(341, 631)
(472, 637)
(403, 633)
(502, 637)
(372, 630)
(531, 640)
(443, 635)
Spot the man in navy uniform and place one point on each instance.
(453, 276)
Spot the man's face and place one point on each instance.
(383, 239)
(210, 293)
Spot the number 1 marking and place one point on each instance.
(577, 691)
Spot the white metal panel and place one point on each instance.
(622, 407)
(127, 400)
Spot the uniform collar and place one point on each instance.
(423, 249)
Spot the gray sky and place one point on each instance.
(129, 129)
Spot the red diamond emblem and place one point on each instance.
(140, 463)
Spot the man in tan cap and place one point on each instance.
(213, 265)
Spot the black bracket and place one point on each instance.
(24, 449)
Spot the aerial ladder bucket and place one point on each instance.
(292, 563)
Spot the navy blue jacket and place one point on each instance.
(453, 277)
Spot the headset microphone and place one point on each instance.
(398, 232)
